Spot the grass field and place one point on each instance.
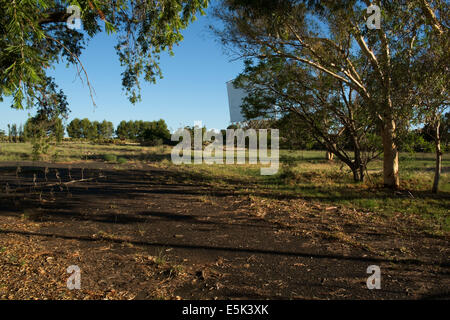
(302, 174)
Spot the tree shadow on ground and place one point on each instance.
(230, 249)
(136, 183)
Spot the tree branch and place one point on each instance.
(54, 17)
(429, 14)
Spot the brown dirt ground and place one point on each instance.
(152, 233)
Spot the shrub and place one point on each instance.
(110, 157)
(156, 133)
(152, 142)
(122, 160)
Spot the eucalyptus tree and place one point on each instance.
(334, 38)
(46, 128)
(431, 95)
(333, 115)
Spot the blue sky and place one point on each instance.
(193, 87)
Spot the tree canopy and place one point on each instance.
(34, 36)
(329, 43)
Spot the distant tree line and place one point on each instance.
(292, 137)
(144, 132)
(149, 133)
(14, 134)
(85, 129)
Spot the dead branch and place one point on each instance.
(48, 185)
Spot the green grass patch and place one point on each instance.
(122, 160)
(110, 157)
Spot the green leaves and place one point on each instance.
(109, 28)
(153, 27)
(34, 35)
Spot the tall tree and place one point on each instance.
(87, 129)
(432, 78)
(96, 131)
(333, 115)
(46, 128)
(333, 38)
(74, 129)
(122, 130)
(432, 98)
(106, 129)
(14, 132)
(20, 132)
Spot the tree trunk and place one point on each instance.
(358, 172)
(359, 166)
(329, 156)
(390, 157)
(437, 171)
(357, 175)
